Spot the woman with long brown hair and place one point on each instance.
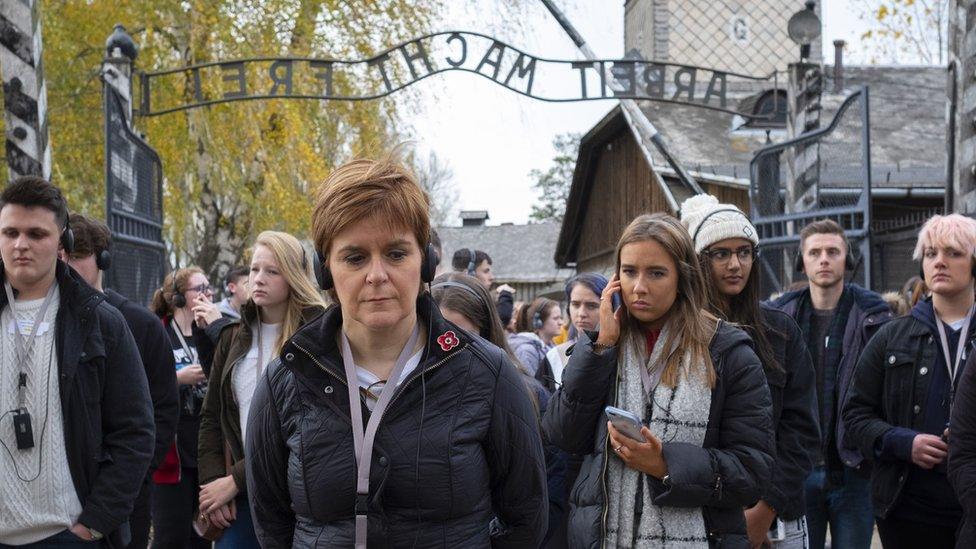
(283, 298)
(727, 246)
(660, 357)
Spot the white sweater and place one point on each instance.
(32, 511)
(245, 374)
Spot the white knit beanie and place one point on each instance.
(721, 221)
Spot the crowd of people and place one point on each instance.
(365, 393)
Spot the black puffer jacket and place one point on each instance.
(794, 393)
(728, 473)
(464, 413)
(962, 453)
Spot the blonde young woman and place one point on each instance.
(283, 298)
(662, 357)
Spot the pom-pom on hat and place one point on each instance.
(708, 221)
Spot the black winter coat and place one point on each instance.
(157, 360)
(867, 315)
(464, 413)
(726, 474)
(962, 453)
(794, 393)
(890, 390)
(105, 406)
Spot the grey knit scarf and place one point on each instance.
(677, 415)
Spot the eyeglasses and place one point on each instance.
(202, 288)
(745, 254)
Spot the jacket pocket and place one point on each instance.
(899, 370)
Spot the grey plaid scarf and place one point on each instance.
(676, 415)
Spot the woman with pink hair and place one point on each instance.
(898, 408)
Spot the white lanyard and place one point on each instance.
(23, 350)
(960, 349)
(179, 335)
(363, 441)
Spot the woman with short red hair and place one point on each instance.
(441, 446)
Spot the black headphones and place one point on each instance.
(428, 267)
(694, 238)
(471, 264)
(537, 321)
(179, 300)
(103, 259)
(67, 237)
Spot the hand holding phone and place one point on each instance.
(609, 318)
(626, 422)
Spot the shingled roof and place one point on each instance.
(908, 132)
(519, 253)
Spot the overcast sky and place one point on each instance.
(492, 138)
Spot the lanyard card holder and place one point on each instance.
(23, 429)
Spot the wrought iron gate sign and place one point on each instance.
(401, 66)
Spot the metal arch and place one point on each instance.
(602, 65)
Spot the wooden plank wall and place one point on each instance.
(623, 188)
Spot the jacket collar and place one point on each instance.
(249, 313)
(318, 338)
(867, 301)
(73, 291)
(924, 313)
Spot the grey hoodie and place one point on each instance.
(529, 349)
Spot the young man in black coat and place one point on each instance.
(72, 383)
(837, 320)
(90, 258)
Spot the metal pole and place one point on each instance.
(866, 152)
(644, 127)
(24, 90)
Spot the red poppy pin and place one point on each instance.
(448, 340)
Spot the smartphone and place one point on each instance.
(625, 422)
(777, 530)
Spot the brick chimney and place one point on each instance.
(839, 65)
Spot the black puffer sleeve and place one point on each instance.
(962, 441)
(517, 463)
(576, 409)
(267, 464)
(798, 429)
(734, 472)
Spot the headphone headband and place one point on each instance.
(694, 238)
(471, 264)
(455, 284)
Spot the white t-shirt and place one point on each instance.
(367, 378)
(246, 373)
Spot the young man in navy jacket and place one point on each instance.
(837, 319)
